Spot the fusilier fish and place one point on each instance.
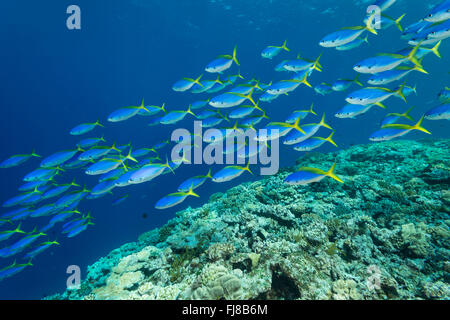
(17, 160)
(85, 128)
(441, 112)
(174, 199)
(186, 84)
(229, 173)
(307, 175)
(272, 51)
(314, 143)
(222, 63)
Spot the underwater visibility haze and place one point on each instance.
(348, 101)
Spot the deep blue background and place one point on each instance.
(52, 79)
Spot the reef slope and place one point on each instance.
(384, 234)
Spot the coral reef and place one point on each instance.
(384, 234)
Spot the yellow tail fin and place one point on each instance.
(190, 112)
(317, 66)
(297, 127)
(192, 193)
(311, 110)
(247, 168)
(323, 124)
(284, 46)
(235, 56)
(412, 55)
(397, 22)
(399, 92)
(357, 80)
(197, 81)
(369, 24)
(418, 126)
(305, 80)
(435, 49)
(332, 175)
(330, 139)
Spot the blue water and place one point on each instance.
(53, 79)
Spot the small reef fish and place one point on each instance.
(229, 173)
(347, 35)
(222, 63)
(306, 175)
(149, 111)
(441, 112)
(97, 152)
(13, 269)
(174, 199)
(59, 158)
(302, 114)
(396, 74)
(323, 89)
(440, 32)
(5, 235)
(213, 121)
(385, 62)
(194, 182)
(444, 95)
(17, 160)
(272, 51)
(343, 84)
(120, 200)
(126, 113)
(175, 116)
(199, 104)
(276, 130)
(39, 249)
(351, 111)
(231, 99)
(186, 84)
(85, 128)
(42, 174)
(281, 66)
(374, 95)
(148, 172)
(439, 13)
(267, 97)
(392, 131)
(286, 86)
(314, 143)
(305, 132)
(90, 142)
(205, 85)
(386, 22)
(354, 44)
(303, 64)
(394, 117)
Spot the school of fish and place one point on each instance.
(231, 98)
